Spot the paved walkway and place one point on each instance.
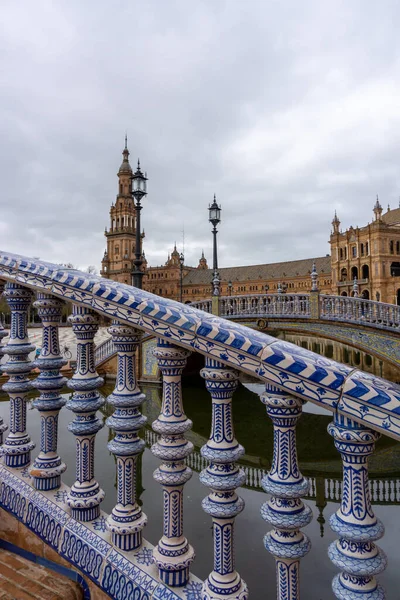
(22, 579)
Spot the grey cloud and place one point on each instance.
(285, 110)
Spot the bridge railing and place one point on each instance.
(103, 351)
(265, 305)
(120, 560)
(345, 308)
(329, 307)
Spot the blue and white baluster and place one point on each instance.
(222, 476)
(3, 334)
(47, 468)
(18, 445)
(355, 553)
(127, 519)
(285, 510)
(85, 495)
(173, 554)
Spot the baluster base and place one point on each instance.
(83, 515)
(85, 505)
(47, 484)
(127, 541)
(174, 570)
(126, 533)
(46, 475)
(217, 589)
(17, 456)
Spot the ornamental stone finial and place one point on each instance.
(314, 278)
(355, 288)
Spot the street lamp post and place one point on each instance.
(139, 191)
(181, 261)
(214, 217)
(230, 286)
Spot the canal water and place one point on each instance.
(318, 459)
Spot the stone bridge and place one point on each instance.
(118, 560)
(373, 327)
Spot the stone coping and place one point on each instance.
(370, 400)
(87, 546)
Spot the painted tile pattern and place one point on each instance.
(292, 369)
(88, 546)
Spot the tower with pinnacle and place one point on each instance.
(117, 262)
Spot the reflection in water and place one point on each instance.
(344, 354)
(319, 461)
(324, 473)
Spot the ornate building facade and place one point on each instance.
(117, 263)
(369, 255)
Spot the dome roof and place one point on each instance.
(125, 166)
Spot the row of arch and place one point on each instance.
(124, 221)
(354, 273)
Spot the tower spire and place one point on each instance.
(126, 141)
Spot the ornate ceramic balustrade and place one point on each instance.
(299, 306)
(119, 559)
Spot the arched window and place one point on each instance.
(341, 253)
(354, 273)
(343, 275)
(391, 245)
(365, 271)
(378, 296)
(362, 249)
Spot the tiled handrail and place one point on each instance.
(356, 394)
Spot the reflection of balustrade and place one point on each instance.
(291, 376)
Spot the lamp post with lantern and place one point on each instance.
(214, 217)
(139, 191)
(181, 262)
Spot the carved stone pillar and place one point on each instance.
(355, 553)
(285, 510)
(173, 554)
(47, 467)
(85, 495)
(3, 334)
(126, 520)
(222, 476)
(18, 445)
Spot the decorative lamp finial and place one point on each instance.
(314, 278)
(126, 141)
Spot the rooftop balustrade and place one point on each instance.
(363, 408)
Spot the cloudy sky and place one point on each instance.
(286, 110)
